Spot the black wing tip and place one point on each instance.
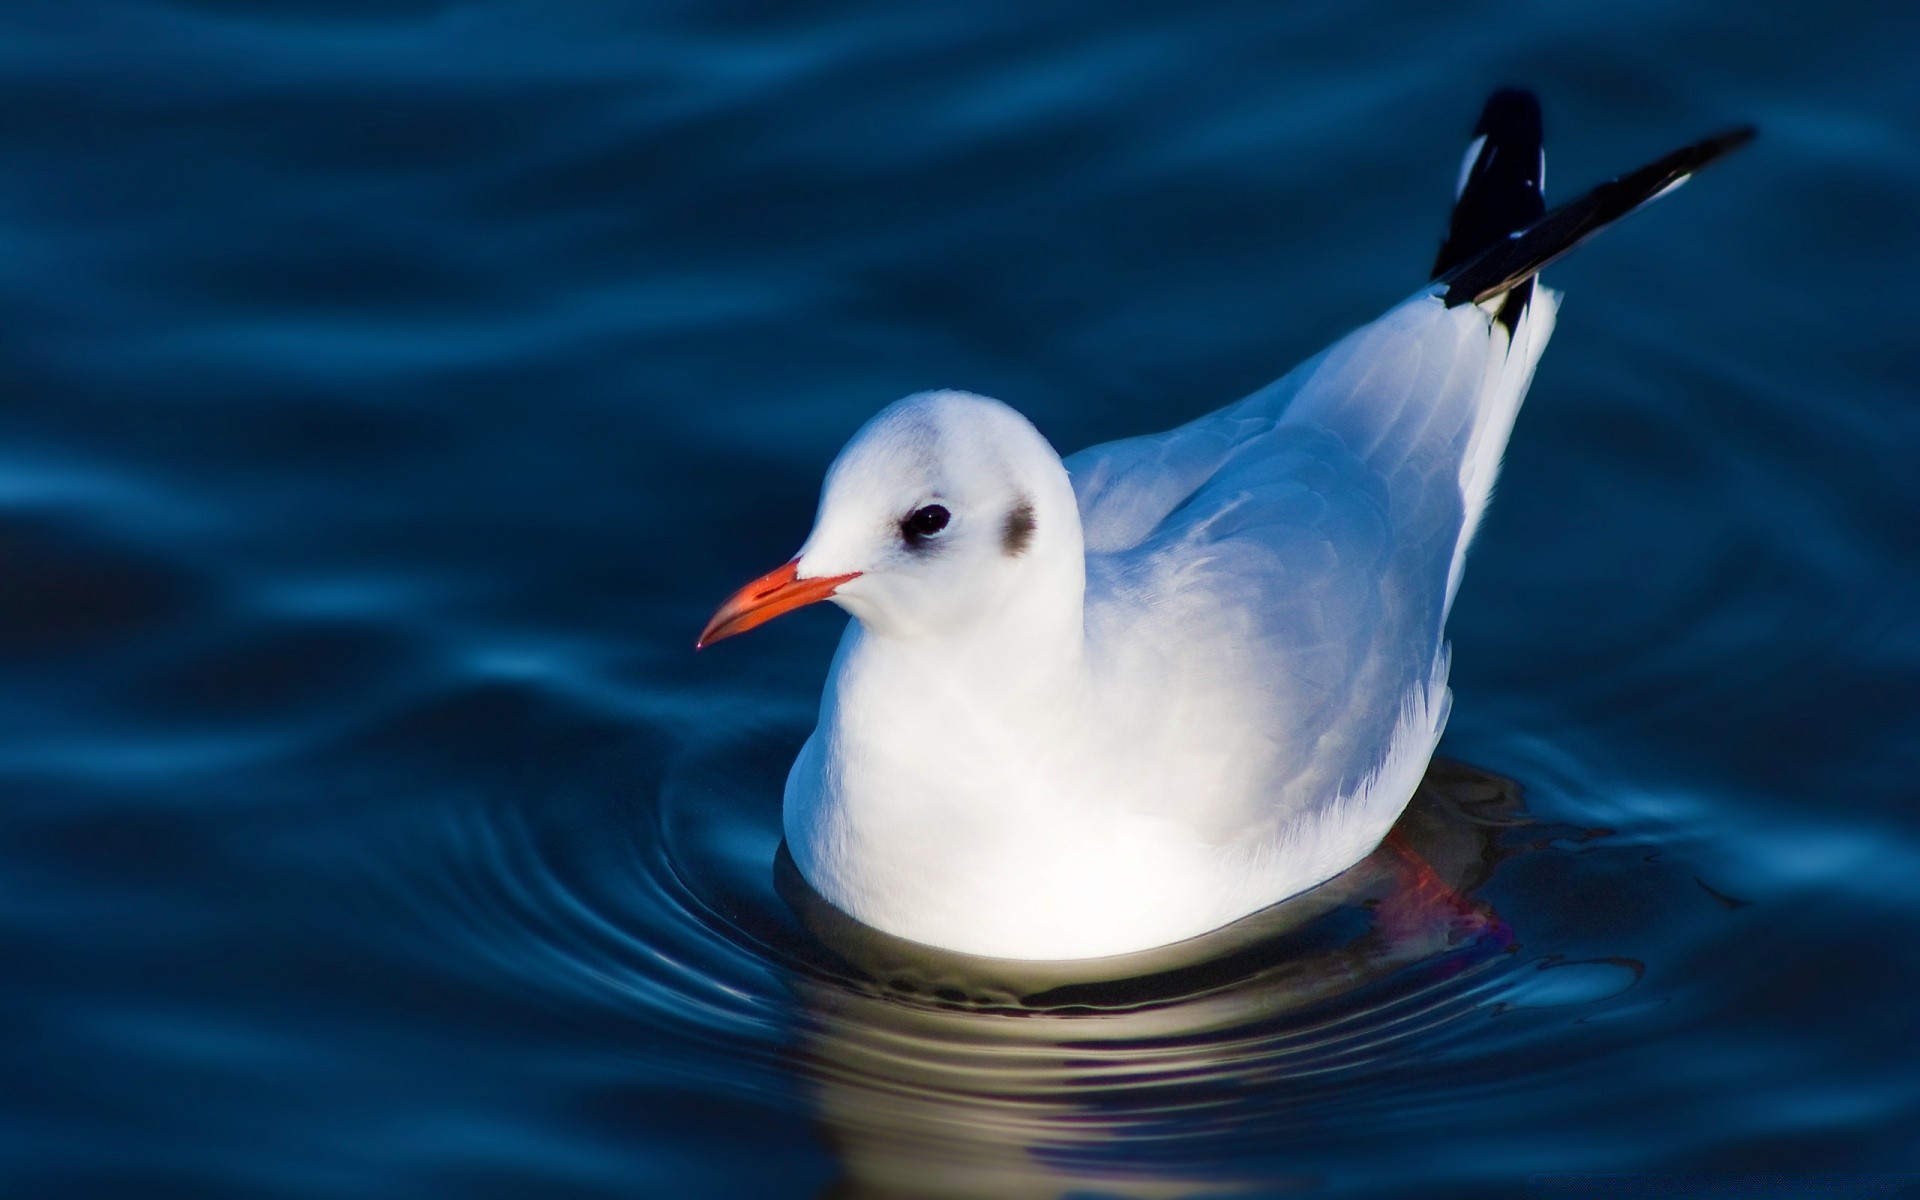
(1733, 139)
(1500, 179)
(1694, 155)
(1514, 261)
(1510, 109)
(1725, 142)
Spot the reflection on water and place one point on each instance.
(945, 1075)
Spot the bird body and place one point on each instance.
(1096, 706)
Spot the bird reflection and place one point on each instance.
(941, 1075)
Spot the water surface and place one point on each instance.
(392, 388)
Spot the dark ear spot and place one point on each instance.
(1018, 531)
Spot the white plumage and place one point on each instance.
(1096, 706)
(1230, 703)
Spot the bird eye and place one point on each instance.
(923, 523)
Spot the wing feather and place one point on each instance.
(1303, 542)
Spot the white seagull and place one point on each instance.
(1097, 706)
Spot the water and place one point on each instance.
(392, 388)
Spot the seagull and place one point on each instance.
(1100, 705)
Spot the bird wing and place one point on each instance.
(1297, 550)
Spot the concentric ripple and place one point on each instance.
(392, 387)
(995, 1077)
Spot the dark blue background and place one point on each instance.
(391, 390)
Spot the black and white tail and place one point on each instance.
(1502, 190)
(1501, 235)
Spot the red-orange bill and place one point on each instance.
(778, 591)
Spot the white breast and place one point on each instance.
(1259, 683)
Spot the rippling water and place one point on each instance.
(391, 388)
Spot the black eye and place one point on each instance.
(923, 523)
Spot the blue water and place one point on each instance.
(391, 389)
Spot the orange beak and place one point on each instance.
(778, 591)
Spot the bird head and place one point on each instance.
(939, 513)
